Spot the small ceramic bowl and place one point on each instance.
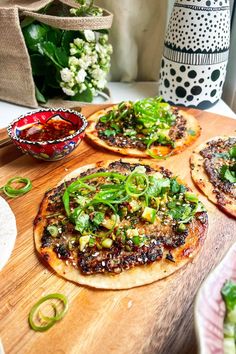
(209, 310)
(50, 150)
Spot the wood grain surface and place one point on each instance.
(156, 318)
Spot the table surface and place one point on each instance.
(134, 91)
(119, 92)
(156, 318)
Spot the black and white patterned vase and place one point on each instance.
(195, 55)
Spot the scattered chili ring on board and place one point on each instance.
(13, 192)
(49, 321)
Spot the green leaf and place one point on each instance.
(180, 212)
(38, 64)
(34, 34)
(51, 77)
(154, 188)
(82, 222)
(228, 173)
(49, 49)
(174, 186)
(39, 96)
(157, 186)
(116, 127)
(85, 96)
(130, 132)
(67, 38)
(66, 202)
(102, 31)
(109, 132)
(61, 57)
(229, 294)
(232, 152)
(54, 36)
(98, 218)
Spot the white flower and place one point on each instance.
(98, 73)
(71, 83)
(73, 11)
(94, 92)
(101, 83)
(87, 49)
(83, 87)
(80, 76)
(104, 37)
(109, 49)
(73, 61)
(94, 58)
(68, 91)
(89, 35)
(99, 48)
(73, 51)
(66, 75)
(84, 62)
(78, 42)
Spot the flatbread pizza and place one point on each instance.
(119, 224)
(213, 169)
(146, 128)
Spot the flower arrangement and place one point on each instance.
(72, 63)
(88, 65)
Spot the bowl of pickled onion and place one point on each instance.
(48, 134)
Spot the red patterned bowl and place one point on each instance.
(49, 150)
(210, 308)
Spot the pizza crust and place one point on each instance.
(203, 182)
(137, 276)
(181, 144)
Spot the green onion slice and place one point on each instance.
(50, 321)
(104, 174)
(136, 184)
(13, 192)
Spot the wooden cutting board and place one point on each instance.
(156, 318)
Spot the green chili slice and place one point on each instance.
(104, 174)
(47, 318)
(50, 321)
(13, 192)
(136, 184)
(53, 230)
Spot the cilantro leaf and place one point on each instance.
(232, 152)
(98, 218)
(157, 186)
(229, 294)
(130, 132)
(109, 132)
(82, 222)
(228, 173)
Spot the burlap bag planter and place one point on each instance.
(16, 79)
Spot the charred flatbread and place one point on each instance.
(213, 168)
(121, 224)
(146, 128)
